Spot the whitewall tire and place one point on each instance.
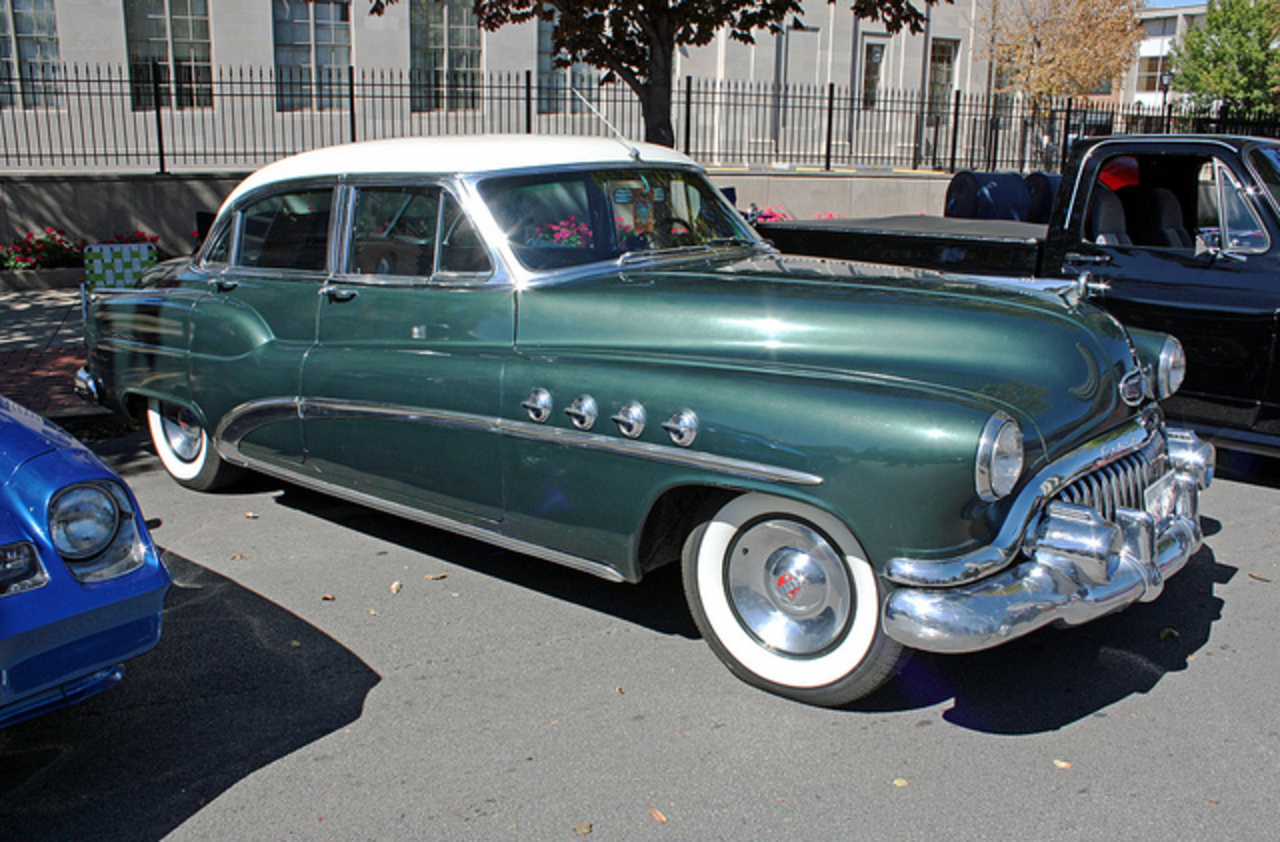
(184, 447)
(784, 595)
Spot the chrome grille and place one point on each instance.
(1122, 482)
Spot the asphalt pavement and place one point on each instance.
(327, 672)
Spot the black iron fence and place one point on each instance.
(78, 117)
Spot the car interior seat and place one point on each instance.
(1105, 222)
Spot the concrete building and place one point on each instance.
(1164, 23)
(440, 44)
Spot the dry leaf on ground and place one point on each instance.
(657, 815)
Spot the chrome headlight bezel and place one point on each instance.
(1171, 369)
(1000, 458)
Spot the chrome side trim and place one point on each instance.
(469, 530)
(1008, 542)
(247, 417)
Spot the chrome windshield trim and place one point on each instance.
(1004, 548)
(247, 417)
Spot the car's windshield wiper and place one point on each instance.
(678, 251)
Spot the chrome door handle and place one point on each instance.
(1076, 259)
(340, 293)
(225, 284)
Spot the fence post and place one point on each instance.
(155, 99)
(831, 118)
(688, 111)
(528, 102)
(955, 128)
(1066, 135)
(351, 101)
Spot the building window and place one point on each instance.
(1150, 69)
(169, 39)
(556, 85)
(313, 52)
(445, 52)
(942, 74)
(872, 62)
(29, 67)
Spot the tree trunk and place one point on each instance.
(655, 98)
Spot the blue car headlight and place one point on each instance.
(92, 528)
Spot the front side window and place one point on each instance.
(1225, 216)
(570, 219)
(286, 231)
(445, 53)
(313, 52)
(169, 48)
(30, 69)
(414, 232)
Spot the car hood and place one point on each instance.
(1053, 365)
(25, 435)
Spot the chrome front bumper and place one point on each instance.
(1078, 567)
(86, 386)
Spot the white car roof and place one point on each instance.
(468, 154)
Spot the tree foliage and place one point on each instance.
(637, 40)
(1047, 48)
(1229, 58)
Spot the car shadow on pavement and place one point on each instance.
(1054, 677)
(656, 602)
(236, 683)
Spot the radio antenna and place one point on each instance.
(631, 147)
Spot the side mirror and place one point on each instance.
(1215, 252)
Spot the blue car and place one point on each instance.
(81, 584)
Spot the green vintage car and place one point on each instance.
(577, 349)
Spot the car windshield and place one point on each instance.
(555, 220)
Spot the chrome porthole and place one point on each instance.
(682, 427)
(789, 587)
(538, 405)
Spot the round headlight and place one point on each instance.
(1173, 368)
(82, 521)
(999, 461)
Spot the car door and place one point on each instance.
(1197, 259)
(401, 389)
(257, 320)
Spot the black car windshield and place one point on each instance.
(555, 220)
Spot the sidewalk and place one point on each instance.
(41, 346)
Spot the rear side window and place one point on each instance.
(287, 231)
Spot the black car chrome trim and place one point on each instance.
(1041, 488)
(247, 417)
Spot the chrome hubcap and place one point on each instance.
(789, 587)
(183, 433)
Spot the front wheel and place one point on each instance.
(184, 448)
(785, 597)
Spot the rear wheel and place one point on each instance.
(184, 448)
(785, 597)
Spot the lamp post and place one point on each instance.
(1165, 78)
